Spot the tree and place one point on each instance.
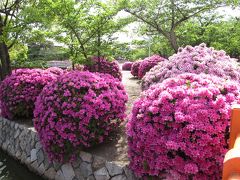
(9, 10)
(86, 27)
(164, 17)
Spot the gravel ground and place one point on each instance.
(116, 150)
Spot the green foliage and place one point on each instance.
(86, 27)
(219, 34)
(18, 52)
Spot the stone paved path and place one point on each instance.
(117, 150)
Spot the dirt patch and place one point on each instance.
(116, 150)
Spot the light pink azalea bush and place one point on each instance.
(178, 127)
(127, 66)
(18, 92)
(148, 63)
(198, 59)
(135, 68)
(79, 109)
(102, 65)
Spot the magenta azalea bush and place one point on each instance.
(148, 63)
(102, 65)
(79, 109)
(198, 59)
(18, 92)
(135, 68)
(178, 127)
(127, 66)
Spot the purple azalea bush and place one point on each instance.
(178, 128)
(148, 63)
(18, 92)
(79, 109)
(102, 65)
(127, 66)
(135, 68)
(198, 59)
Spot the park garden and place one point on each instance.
(158, 78)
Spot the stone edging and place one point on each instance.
(22, 143)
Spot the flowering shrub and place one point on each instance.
(147, 64)
(135, 68)
(102, 65)
(127, 66)
(179, 127)
(80, 109)
(198, 59)
(19, 91)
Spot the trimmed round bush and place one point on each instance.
(127, 66)
(198, 59)
(135, 68)
(102, 65)
(148, 63)
(179, 127)
(18, 92)
(79, 109)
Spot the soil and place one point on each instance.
(116, 150)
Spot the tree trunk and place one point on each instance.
(5, 61)
(98, 48)
(173, 41)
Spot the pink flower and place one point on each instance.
(90, 108)
(179, 127)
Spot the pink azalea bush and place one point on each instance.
(179, 127)
(79, 109)
(135, 68)
(198, 59)
(102, 65)
(127, 66)
(148, 63)
(19, 91)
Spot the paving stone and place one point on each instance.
(38, 146)
(41, 169)
(33, 155)
(67, 171)
(113, 169)
(35, 166)
(77, 162)
(4, 146)
(78, 174)
(119, 177)
(56, 165)
(101, 174)
(50, 173)
(129, 174)
(59, 175)
(40, 156)
(18, 154)
(16, 126)
(87, 157)
(17, 134)
(46, 162)
(23, 157)
(86, 169)
(98, 163)
(91, 177)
